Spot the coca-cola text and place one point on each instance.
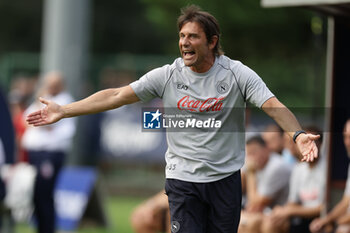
(210, 104)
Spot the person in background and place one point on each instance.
(47, 147)
(266, 183)
(152, 216)
(306, 195)
(2, 184)
(275, 141)
(339, 215)
(22, 89)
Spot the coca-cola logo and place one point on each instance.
(210, 104)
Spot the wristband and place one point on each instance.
(297, 133)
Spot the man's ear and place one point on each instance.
(213, 42)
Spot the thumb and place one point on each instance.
(314, 137)
(44, 101)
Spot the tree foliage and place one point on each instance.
(20, 25)
(277, 43)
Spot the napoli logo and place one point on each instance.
(175, 226)
(222, 87)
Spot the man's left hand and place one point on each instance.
(307, 146)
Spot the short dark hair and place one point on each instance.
(256, 139)
(210, 25)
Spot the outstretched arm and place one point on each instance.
(100, 101)
(287, 121)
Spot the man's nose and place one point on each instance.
(185, 41)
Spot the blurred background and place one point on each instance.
(101, 44)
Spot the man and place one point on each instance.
(305, 199)
(203, 168)
(266, 182)
(339, 215)
(47, 147)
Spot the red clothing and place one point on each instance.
(20, 127)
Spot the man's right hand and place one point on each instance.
(51, 113)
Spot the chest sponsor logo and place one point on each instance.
(181, 86)
(211, 104)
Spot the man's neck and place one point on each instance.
(205, 65)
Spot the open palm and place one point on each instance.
(51, 113)
(307, 146)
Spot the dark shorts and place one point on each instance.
(205, 207)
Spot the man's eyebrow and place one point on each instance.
(189, 34)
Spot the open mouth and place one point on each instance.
(188, 54)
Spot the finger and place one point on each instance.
(314, 137)
(34, 113)
(308, 158)
(33, 117)
(304, 158)
(44, 101)
(312, 153)
(36, 121)
(40, 123)
(316, 152)
(311, 157)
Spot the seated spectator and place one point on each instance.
(266, 179)
(275, 141)
(339, 216)
(152, 216)
(306, 196)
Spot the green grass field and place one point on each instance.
(118, 211)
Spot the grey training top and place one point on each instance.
(220, 93)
